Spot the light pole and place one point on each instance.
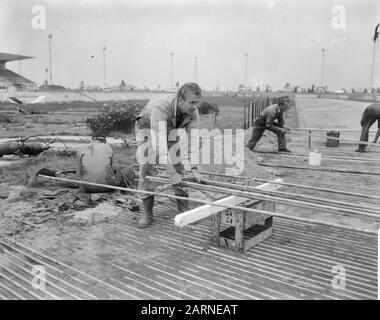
(46, 74)
(171, 69)
(196, 69)
(104, 67)
(323, 65)
(246, 70)
(50, 64)
(374, 53)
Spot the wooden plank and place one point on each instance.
(252, 219)
(258, 238)
(239, 229)
(196, 214)
(215, 228)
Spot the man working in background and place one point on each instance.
(266, 121)
(370, 115)
(174, 111)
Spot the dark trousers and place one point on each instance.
(366, 122)
(258, 132)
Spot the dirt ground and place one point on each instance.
(59, 220)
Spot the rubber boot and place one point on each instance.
(282, 142)
(361, 148)
(183, 205)
(147, 216)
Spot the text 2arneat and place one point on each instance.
(211, 309)
(192, 309)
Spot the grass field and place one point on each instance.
(69, 118)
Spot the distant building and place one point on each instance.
(51, 87)
(11, 81)
(172, 89)
(321, 89)
(245, 90)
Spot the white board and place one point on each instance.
(193, 215)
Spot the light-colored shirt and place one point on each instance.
(95, 165)
(164, 108)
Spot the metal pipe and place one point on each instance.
(260, 196)
(209, 173)
(319, 169)
(320, 189)
(286, 194)
(329, 157)
(327, 129)
(335, 138)
(275, 214)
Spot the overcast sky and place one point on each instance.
(283, 40)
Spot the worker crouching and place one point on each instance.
(158, 118)
(369, 117)
(266, 121)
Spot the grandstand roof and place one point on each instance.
(12, 77)
(12, 57)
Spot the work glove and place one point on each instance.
(197, 176)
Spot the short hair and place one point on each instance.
(189, 87)
(100, 138)
(281, 100)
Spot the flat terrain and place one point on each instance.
(91, 249)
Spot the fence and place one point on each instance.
(253, 107)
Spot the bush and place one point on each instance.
(207, 107)
(5, 119)
(116, 118)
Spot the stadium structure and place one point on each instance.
(11, 81)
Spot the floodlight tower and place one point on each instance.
(104, 67)
(246, 70)
(323, 65)
(376, 35)
(171, 69)
(50, 58)
(196, 69)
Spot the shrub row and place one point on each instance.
(114, 118)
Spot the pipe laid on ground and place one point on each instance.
(275, 214)
(324, 156)
(333, 129)
(297, 196)
(318, 169)
(321, 189)
(287, 195)
(335, 138)
(260, 196)
(208, 173)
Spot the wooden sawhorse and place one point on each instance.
(244, 229)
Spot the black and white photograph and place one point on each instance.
(187, 156)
